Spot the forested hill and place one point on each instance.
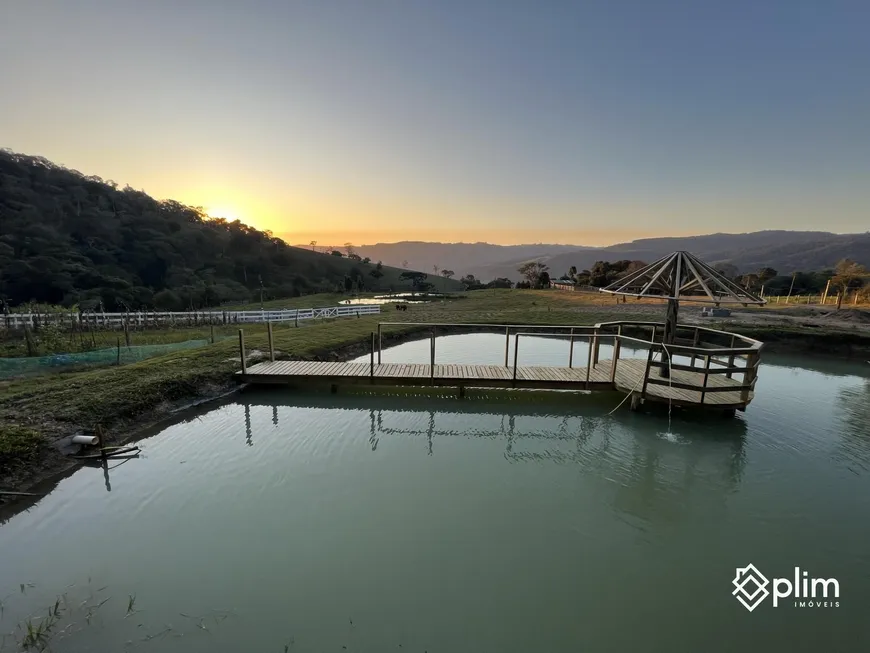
(66, 238)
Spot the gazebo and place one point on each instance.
(677, 277)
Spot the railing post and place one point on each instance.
(571, 351)
(271, 342)
(749, 376)
(595, 344)
(372, 360)
(730, 359)
(617, 345)
(588, 359)
(706, 376)
(380, 343)
(516, 353)
(432, 358)
(242, 351)
(695, 341)
(646, 371)
(507, 344)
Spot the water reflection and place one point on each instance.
(652, 463)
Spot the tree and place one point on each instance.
(848, 274)
(532, 272)
(349, 249)
(572, 272)
(470, 282)
(727, 270)
(417, 279)
(543, 280)
(447, 273)
(348, 284)
(366, 260)
(500, 282)
(313, 244)
(766, 274)
(335, 252)
(435, 269)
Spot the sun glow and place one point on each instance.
(221, 212)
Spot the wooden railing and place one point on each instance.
(701, 346)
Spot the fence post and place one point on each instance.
(571, 350)
(242, 351)
(212, 334)
(119, 351)
(126, 333)
(271, 342)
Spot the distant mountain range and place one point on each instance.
(785, 251)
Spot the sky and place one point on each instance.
(502, 121)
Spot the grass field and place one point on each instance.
(36, 410)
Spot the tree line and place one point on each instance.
(74, 240)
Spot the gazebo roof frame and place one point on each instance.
(674, 276)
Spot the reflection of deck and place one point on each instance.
(720, 392)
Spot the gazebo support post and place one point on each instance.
(669, 334)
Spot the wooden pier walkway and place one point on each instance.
(683, 388)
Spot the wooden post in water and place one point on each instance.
(98, 431)
(271, 342)
(380, 343)
(242, 351)
(571, 350)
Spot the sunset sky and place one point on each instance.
(504, 121)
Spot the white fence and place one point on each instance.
(181, 318)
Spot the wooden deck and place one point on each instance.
(629, 378)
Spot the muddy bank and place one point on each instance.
(43, 474)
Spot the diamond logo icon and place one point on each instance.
(750, 586)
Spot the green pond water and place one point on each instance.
(501, 522)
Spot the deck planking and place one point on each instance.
(629, 378)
